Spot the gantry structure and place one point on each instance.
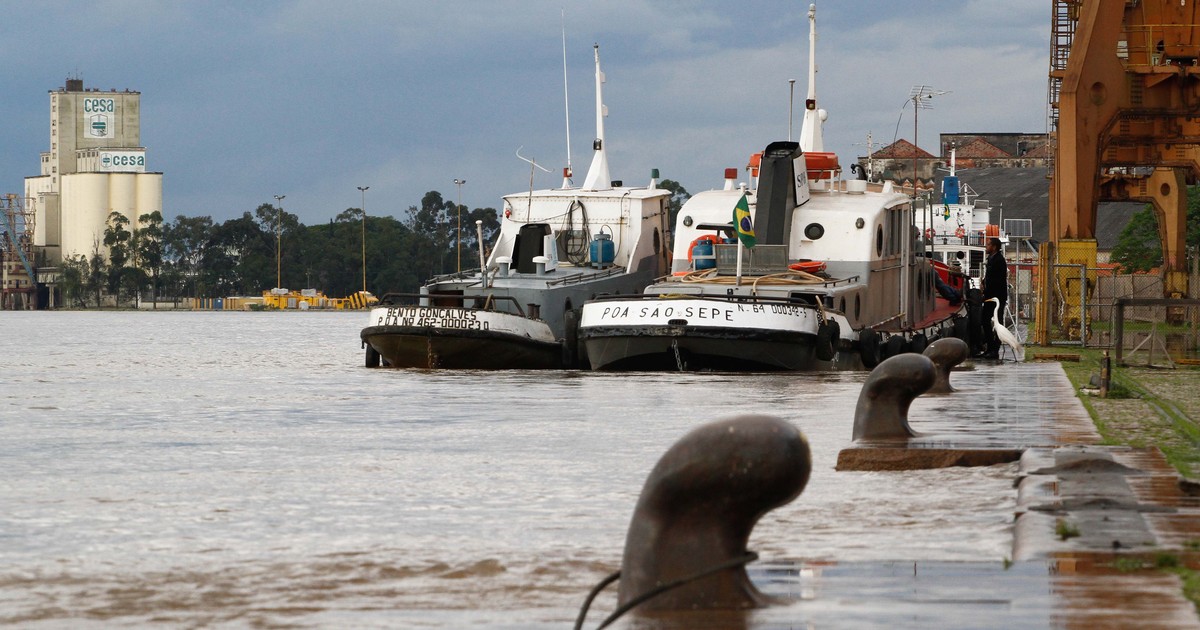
(1125, 121)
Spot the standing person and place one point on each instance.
(995, 285)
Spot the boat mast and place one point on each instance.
(811, 139)
(597, 176)
(567, 103)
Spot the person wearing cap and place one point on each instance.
(995, 285)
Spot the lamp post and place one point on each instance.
(363, 190)
(459, 183)
(278, 241)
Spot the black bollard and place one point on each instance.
(698, 507)
(945, 354)
(882, 411)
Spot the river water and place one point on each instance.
(185, 469)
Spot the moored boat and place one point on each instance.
(956, 229)
(835, 276)
(556, 249)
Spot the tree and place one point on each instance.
(491, 226)
(74, 280)
(679, 196)
(149, 250)
(96, 276)
(431, 223)
(117, 239)
(184, 243)
(1139, 246)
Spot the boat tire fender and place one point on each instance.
(868, 348)
(570, 339)
(372, 358)
(918, 343)
(828, 335)
(962, 330)
(895, 345)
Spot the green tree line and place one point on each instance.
(198, 257)
(1139, 246)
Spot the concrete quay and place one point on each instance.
(1101, 533)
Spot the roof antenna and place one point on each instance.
(532, 164)
(597, 175)
(567, 173)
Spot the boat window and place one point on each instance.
(879, 240)
(814, 231)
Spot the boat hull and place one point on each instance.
(460, 338)
(702, 334)
(657, 348)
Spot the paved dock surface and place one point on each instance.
(1093, 525)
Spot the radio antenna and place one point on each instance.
(566, 100)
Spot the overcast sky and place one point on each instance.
(310, 99)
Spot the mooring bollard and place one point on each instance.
(697, 509)
(946, 354)
(882, 410)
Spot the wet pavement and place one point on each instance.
(1093, 527)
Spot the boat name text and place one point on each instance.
(455, 318)
(728, 313)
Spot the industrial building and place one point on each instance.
(96, 165)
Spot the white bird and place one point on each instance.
(1005, 335)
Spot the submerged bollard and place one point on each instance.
(698, 507)
(945, 354)
(882, 411)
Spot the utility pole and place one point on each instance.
(363, 190)
(278, 241)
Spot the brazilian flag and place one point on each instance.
(741, 221)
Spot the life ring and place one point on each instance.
(960, 232)
(929, 233)
(703, 238)
(808, 266)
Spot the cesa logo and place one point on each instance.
(99, 105)
(108, 160)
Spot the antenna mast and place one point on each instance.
(597, 175)
(567, 102)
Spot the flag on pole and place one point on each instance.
(741, 222)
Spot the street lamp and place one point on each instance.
(363, 190)
(278, 240)
(459, 183)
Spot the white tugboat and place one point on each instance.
(836, 277)
(556, 249)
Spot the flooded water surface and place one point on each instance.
(186, 469)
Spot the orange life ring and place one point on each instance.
(960, 232)
(808, 266)
(703, 238)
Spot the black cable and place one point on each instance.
(577, 256)
(655, 592)
(587, 603)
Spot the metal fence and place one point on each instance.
(1098, 307)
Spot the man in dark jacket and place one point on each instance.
(995, 285)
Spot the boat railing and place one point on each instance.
(795, 299)
(578, 278)
(481, 301)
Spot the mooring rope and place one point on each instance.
(654, 592)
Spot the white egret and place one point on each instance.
(1006, 336)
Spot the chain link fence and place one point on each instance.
(1098, 307)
